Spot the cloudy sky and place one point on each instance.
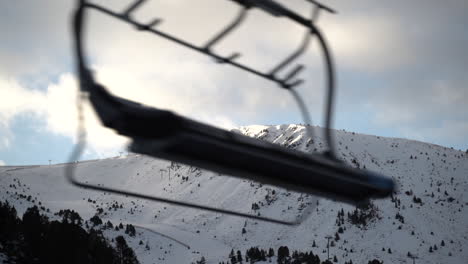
(401, 66)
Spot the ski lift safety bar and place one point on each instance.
(163, 134)
(268, 6)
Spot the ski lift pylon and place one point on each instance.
(164, 134)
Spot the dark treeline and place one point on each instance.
(34, 239)
(283, 256)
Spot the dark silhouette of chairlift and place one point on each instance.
(164, 134)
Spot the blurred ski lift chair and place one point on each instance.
(193, 143)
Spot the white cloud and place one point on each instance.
(56, 107)
(62, 117)
(368, 43)
(15, 99)
(2, 163)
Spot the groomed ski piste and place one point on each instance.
(429, 207)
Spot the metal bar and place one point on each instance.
(269, 6)
(173, 202)
(155, 22)
(132, 7)
(293, 84)
(322, 6)
(300, 50)
(330, 84)
(151, 24)
(236, 22)
(230, 58)
(293, 56)
(294, 72)
(275, 9)
(186, 44)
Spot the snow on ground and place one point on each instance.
(435, 174)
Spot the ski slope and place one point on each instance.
(434, 174)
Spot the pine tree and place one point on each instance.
(340, 230)
(283, 252)
(239, 256)
(262, 255)
(337, 237)
(33, 228)
(124, 252)
(130, 230)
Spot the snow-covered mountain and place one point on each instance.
(428, 213)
